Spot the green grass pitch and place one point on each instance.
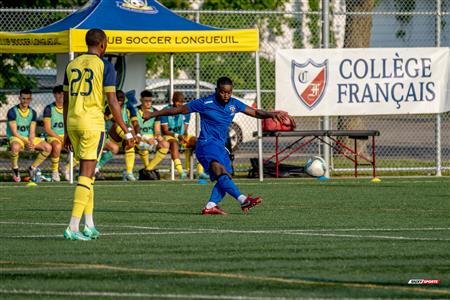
(341, 238)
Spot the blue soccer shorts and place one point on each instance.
(207, 153)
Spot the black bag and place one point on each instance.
(269, 168)
(149, 175)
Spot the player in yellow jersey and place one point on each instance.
(87, 80)
(21, 133)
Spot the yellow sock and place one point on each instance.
(144, 156)
(187, 158)
(14, 160)
(40, 159)
(89, 209)
(200, 169)
(81, 196)
(129, 160)
(159, 156)
(178, 165)
(120, 132)
(55, 163)
(75, 163)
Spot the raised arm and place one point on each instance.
(280, 116)
(166, 112)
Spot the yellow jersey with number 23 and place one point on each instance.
(86, 80)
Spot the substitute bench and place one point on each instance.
(306, 137)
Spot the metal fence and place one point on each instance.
(408, 144)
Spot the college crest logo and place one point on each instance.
(310, 80)
(137, 6)
(232, 109)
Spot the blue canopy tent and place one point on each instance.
(133, 27)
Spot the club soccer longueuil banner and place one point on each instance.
(374, 81)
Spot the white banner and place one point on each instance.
(373, 81)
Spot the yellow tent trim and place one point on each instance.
(240, 40)
(55, 42)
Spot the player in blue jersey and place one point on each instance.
(217, 112)
(175, 130)
(21, 134)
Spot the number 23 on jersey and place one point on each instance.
(81, 82)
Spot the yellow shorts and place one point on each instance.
(170, 138)
(17, 140)
(87, 144)
(51, 139)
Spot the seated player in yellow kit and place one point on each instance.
(130, 118)
(151, 138)
(21, 134)
(54, 129)
(175, 130)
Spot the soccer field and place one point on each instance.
(309, 239)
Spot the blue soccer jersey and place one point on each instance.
(215, 117)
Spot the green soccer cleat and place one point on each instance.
(203, 175)
(75, 236)
(183, 176)
(91, 232)
(130, 177)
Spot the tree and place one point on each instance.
(358, 29)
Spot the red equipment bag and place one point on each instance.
(274, 125)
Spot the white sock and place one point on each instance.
(74, 223)
(89, 221)
(96, 170)
(210, 205)
(242, 198)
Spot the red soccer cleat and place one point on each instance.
(250, 202)
(216, 210)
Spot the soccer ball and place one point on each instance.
(315, 166)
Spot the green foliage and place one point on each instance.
(11, 78)
(175, 4)
(244, 4)
(42, 3)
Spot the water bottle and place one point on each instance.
(144, 146)
(37, 176)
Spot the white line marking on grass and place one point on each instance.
(304, 232)
(55, 266)
(381, 237)
(334, 181)
(128, 295)
(238, 231)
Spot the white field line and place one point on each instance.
(184, 231)
(376, 237)
(238, 231)
(128, 295)
(335, 182)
